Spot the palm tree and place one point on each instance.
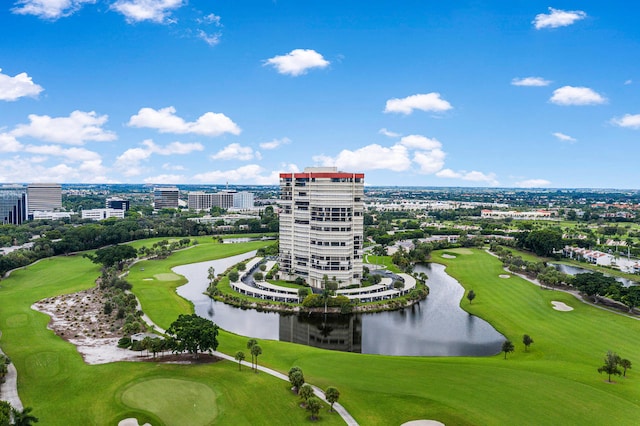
(240, 357)
(250, 344)
(507, 346)
(24, 417)
(256, 350)
(625, 364)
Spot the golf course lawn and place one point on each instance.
(554, 383)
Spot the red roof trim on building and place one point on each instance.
(321, 175)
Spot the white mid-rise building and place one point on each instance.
(243, 200)
(102, 214)
(321, 225)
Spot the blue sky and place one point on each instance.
(422, 93)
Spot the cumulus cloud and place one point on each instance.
(147, 10)
(251, 173)
(533, 183)
(564, 138)
(71, 154)
(165, 120)
(557, 18)
(49, 9)
(76, 129)
(18, 86)
(235, 151)
(175, 167)
(424, 102)
(129, 162)
(297, 62)
(166, 179)
(530, 81)
(628, 120)
(472, 176)
(9, 143)
(276, 143)
(570, 95)
(30, 169)
(413, 151)
(389, 133)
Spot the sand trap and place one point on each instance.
(131, 422)
(423, 423)
(560, 306)
(504, 276)
(147, 279)
(447, 256)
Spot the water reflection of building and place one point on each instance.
(335, 332)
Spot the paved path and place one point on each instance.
(9, 389)
(316, 390)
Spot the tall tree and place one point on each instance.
(314, 405)
(194, 334)
(250, 344)
(256, 351)
(507, 346)
(305, 392)
(610, 366)
(626, 365)
(471, 295)
(526, 340)
(240, 357)
(332, 394)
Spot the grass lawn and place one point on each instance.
(556, 382)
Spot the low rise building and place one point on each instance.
(102, 214)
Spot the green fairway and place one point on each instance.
(173, 401)
(554, 383)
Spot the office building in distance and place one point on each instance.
(44, 197)
(102, 214)
(117, 203)
(13, 206)
(226, 200)
(166, 197)
(321, 225)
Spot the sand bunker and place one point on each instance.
(560, 306)
(423, 423)
(147, 279)
(131, 422)
(504, 276)
(448, 256)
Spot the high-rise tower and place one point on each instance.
(321, 225)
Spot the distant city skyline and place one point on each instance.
(461, 94)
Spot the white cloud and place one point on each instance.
(628, 120)
(564, 138)
(533, 183)
(472, 176)
(72, 154)
(530, 81)
(175, 167)
(628, 82)
(49, 9)
(21, 169)
(374, 157)
(128, 163)
(429, 161)
(389, 133)
(9, 143)
(570, 95)
(165, 121)
(165, 179)
(423, 102)
(297, 62)
(18, 86)
(76, 129)
(557, 18)
(210, 39)
(147, 10)
(234, 151)
(251, 173)
(276, 143)
(420, 142)
(211, 18)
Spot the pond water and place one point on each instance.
(434, 327)
(573, 270)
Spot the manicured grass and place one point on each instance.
(63, 390)
(154, 284)
(381, 260)
(556, 382)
